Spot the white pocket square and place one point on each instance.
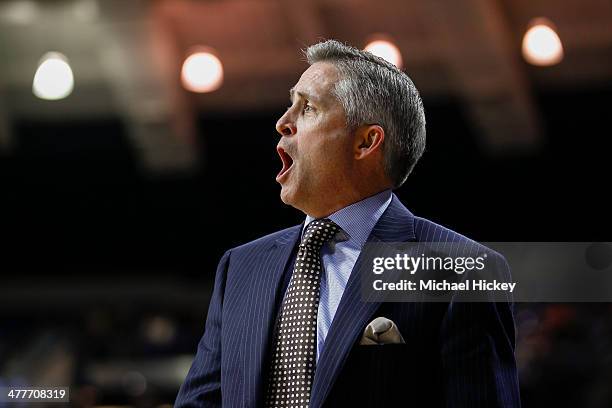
(381, 331)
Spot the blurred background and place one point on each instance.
(131, 129)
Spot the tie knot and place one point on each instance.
(319, 232)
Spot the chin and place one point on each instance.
(286, 196)
(290, 197)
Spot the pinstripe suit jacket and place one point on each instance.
(456, 354)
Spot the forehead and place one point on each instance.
(317, 81)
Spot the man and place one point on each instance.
(286, 318)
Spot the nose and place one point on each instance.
(285, 126)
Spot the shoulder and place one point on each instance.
(456, 245)
(427, 230)
(430, 231)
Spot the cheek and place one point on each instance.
(338, 148)
(324, 147)
(309, 147)
(318, 157)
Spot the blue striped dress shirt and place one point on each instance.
(339, 256)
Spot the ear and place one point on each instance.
(368, 140)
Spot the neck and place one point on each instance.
(341, 201)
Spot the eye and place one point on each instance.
(307, 107)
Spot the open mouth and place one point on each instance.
(287, 163)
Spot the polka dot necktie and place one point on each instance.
(295, 342)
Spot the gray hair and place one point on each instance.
(374, 91)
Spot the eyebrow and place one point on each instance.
(292, 92)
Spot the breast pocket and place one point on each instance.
(386, 361)
(374, 376)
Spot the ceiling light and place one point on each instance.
(541, 44)
(387, 50)
(53, 79)
(202, 72)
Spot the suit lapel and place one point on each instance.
(259, 312)
(395, 225)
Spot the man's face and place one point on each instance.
(315, 147)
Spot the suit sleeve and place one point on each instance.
(477, 350)
(202, 387)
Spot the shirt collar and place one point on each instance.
(358, 219)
